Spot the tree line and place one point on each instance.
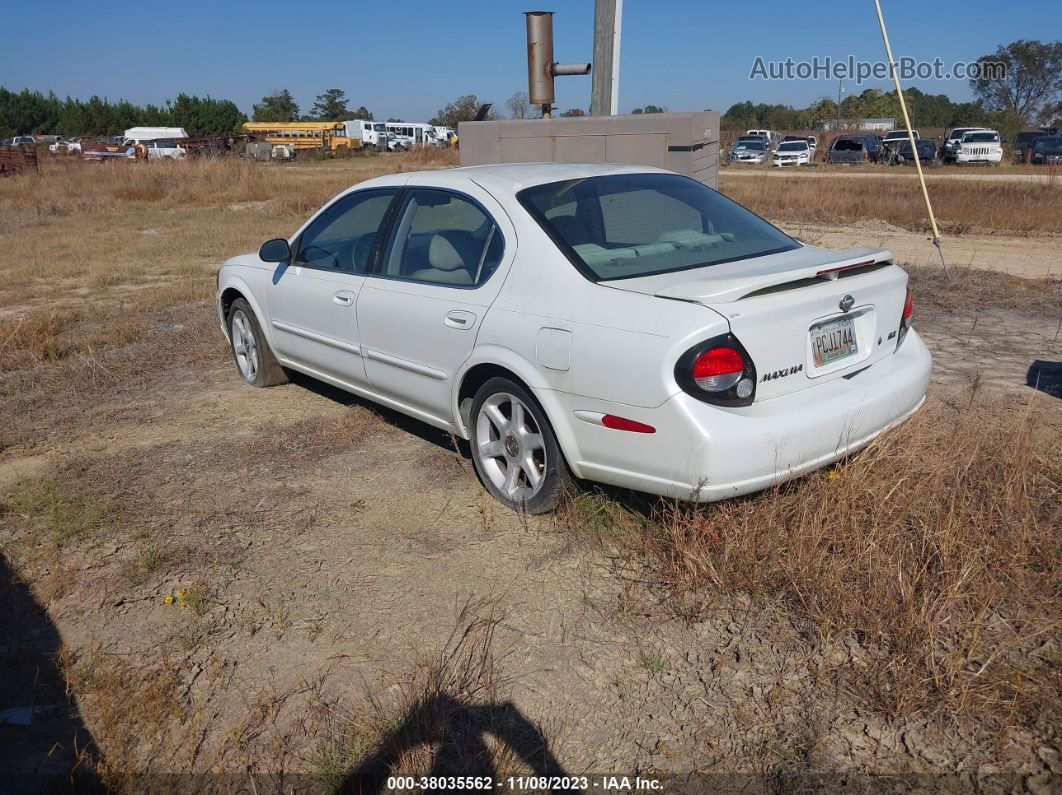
(1029, 94)
(30, 112)
(927, 110)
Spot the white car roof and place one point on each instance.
(513, 177)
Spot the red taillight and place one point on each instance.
(908, 308)
(718, 369)
(624, 424)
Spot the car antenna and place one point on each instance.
(911, 138)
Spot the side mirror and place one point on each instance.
(275, 250)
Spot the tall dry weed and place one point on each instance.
(934, 553)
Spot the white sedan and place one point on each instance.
(792, 153)
(621, 324)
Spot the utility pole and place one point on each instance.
(840, 89)
(604, 93)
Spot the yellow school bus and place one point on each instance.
(328, 135)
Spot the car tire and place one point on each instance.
(514, 450)
(254, 358)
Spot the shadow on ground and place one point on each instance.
(403, 422)
(45, 746)
(1046, 377)
(469, 741)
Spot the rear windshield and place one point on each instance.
(627, 225)
(848, 145)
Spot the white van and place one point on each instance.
(370, 133)
(410, 134)
(771, 137)
(160, 141)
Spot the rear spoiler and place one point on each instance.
(720, 288)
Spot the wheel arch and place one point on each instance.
(504, 363)
(232, 288)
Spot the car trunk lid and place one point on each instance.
(804, 316)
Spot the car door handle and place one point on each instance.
(458, 318)
(343, 298)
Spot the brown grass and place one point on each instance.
(961, 206)
(970, 288)
(90, 248)
(935, 551)
(140, 712)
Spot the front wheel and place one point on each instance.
(514, 450)
(250, 349)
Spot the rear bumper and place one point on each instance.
(703, 453)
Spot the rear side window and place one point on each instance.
(629, 225)
(443, 238)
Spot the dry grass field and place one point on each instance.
(962, 206)
(203, 578)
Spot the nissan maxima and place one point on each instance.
(613, 323)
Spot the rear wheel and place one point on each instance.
(514, 450)
(250, 350)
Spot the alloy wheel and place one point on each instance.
(244, 346)
(510, 447)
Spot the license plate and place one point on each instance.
(833, 341)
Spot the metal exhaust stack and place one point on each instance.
(541, 68)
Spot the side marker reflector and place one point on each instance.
(624, 424)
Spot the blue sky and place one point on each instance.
(408, 58)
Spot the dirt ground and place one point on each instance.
(332, 565)
(265, 568)
(1032, 256)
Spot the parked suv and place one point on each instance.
(1047, 150)
(951, 143)
(854, 149)
(978, 146)
(1023, 143)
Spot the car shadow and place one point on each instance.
(45, 745)
(1046, 377)
(468, 739)
(422, 430)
